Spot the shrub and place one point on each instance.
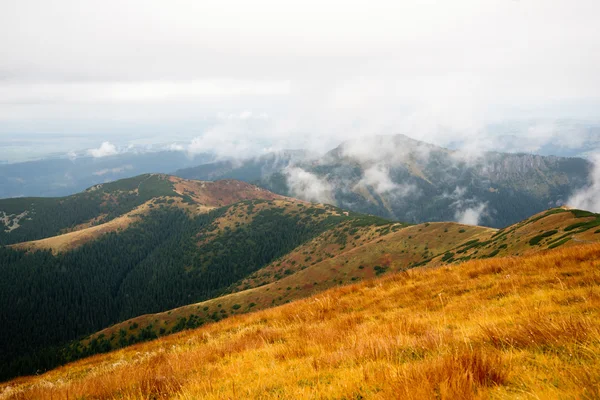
(536, 239)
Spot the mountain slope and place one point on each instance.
(404, 179)
(338, 257)
(27, 219)
(36, 218)
(211, 250)
(250, 170)
(183, 246)
(495, 328)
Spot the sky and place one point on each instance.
(245, 77)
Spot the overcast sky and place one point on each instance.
(255, 75)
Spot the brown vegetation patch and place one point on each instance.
(220, 193)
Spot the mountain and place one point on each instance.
(250, 170)
(354, 251)
(75, 265)
(206, 251)
(393, 177)
(129, 249)
(495, 328)
(404, 179)
(65, 176)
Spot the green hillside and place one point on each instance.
(350, 252)
(32, 218)
(206, 251)
(169, 258)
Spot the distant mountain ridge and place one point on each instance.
(32, 218)
(65, 176)
(408, 180)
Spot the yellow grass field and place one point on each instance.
(517, 327)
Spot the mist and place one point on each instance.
(240, 80)
(308, 186)
(588, 198)
(243, 79)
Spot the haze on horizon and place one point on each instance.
(242, 78)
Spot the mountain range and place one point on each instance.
(403, 179)
(394, 177)
(148, 256)
(63, 176)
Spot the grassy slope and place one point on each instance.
(522, 327)
(220, 193)
(86, 232)
(341, 256)
(47, 217)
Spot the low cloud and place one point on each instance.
(378, 177)
(394, 149)
(223, 146)
(468, 210)
(588, 198)
(176, 147)
(471, 215)
(115, 170)
(244, 115)
(71, 155)
(105, 149)
(308, 186)
(235, 138)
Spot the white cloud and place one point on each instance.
(176, 147)
(223, 145)
(378, 177)
(244, 115)
(105, 149)
(588, 198)
(384, 150)
(115, 170)
(318, 72)
(136, 92)
(471, 215)
(307, 186)
(468, 210)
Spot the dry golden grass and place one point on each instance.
(518, 327)
(208, 195)
(85, 232)
(308, 254)
(243, 214)
(395, 250)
